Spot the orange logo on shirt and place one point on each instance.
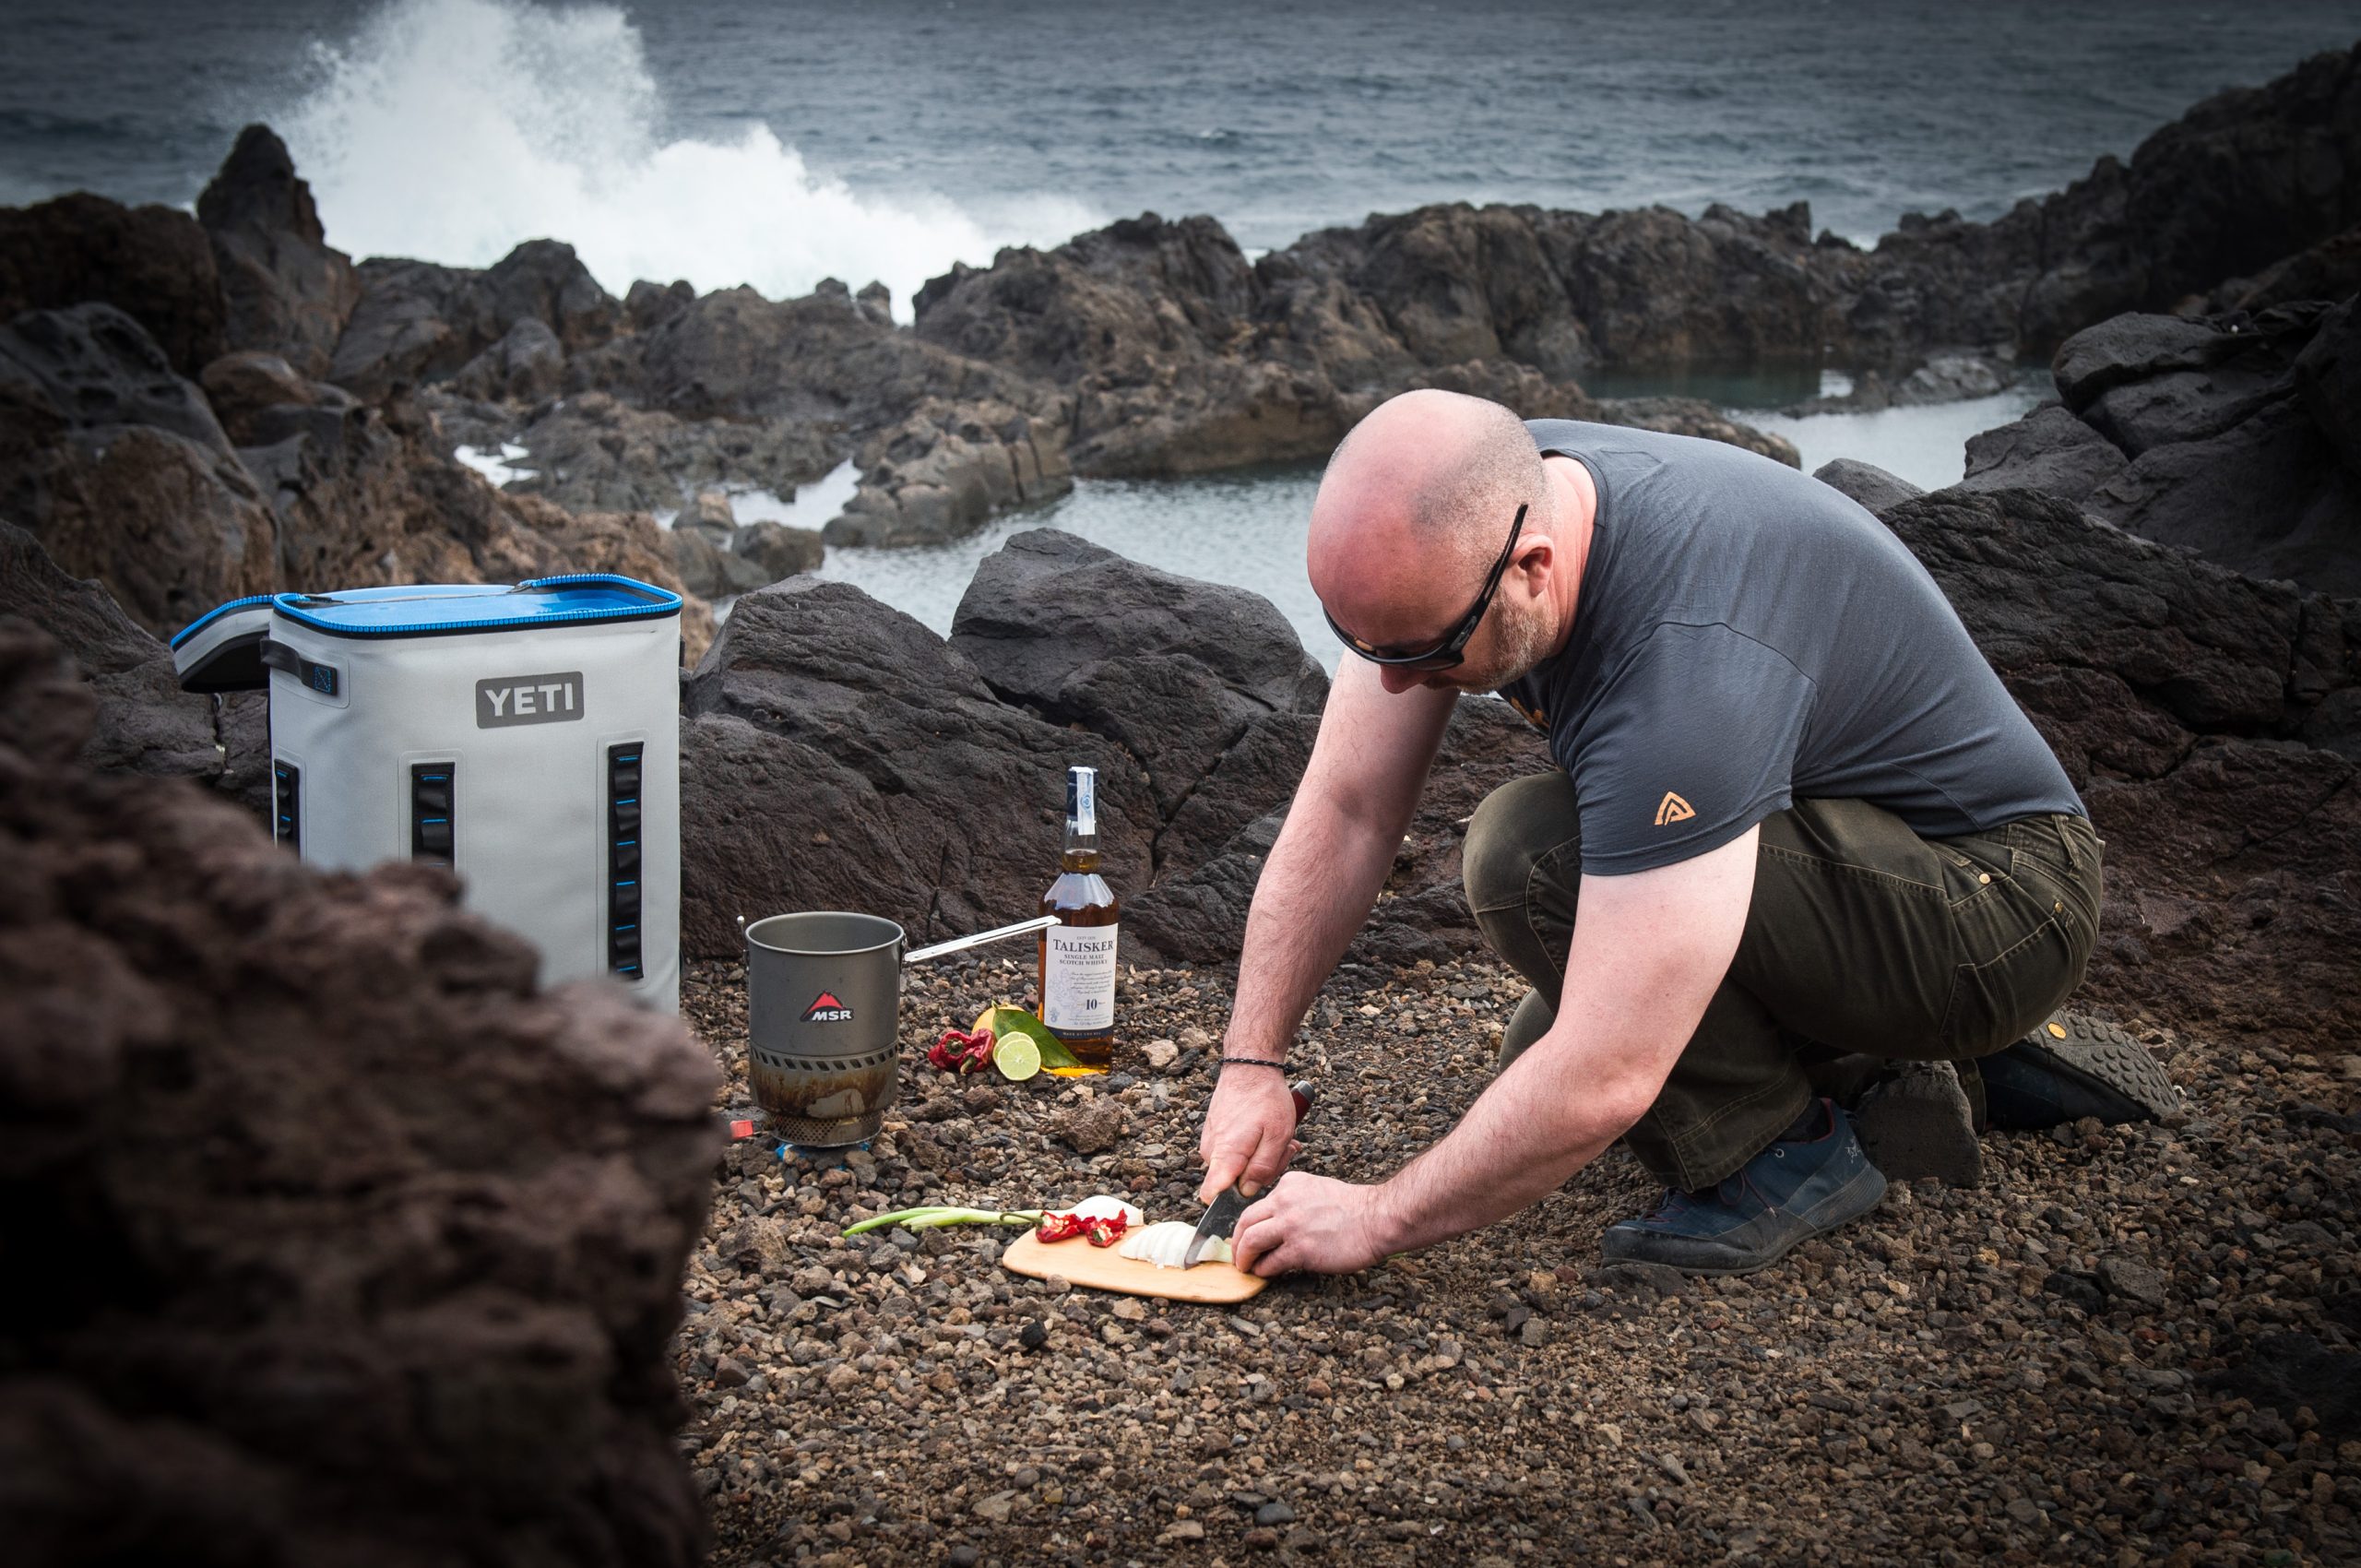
(1671, 809)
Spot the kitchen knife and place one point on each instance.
(1221, 1214)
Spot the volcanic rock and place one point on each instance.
(1865, 482)
(408, 1301)
(261, 400)
(940, 473)
(779, 550)
(2221, 436)
(1175, 670)
(595, 451)
(144, 722)
(2049, 450)
(710, 570)
(837, 755)
(417, 322)
(117, 464)
(526, 365)
(709, 513)
(151, 262)
(285, 291)
(734, 354)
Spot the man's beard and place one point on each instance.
(1523, 642)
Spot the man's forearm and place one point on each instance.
(1538, 1122)
(1317, 887)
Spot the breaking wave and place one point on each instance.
(451, 130)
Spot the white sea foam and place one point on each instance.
(451, 130)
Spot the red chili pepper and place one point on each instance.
(957, 1052)
(1098, 1232)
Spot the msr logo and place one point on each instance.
(826, 1009)
(1672, 809)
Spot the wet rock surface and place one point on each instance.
(330, 1237)
(1948, 1376)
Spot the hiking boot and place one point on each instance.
(2069, 1068)
(1809, 1181)
(1919, 1122)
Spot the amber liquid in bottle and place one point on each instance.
(1077, 955)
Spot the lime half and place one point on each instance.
(1016, 1057)
(1005, 1023)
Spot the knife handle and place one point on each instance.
(1300, 1092)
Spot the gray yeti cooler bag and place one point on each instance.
(528, 737)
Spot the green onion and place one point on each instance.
(935, 1217)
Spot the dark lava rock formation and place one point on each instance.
(2235, 436)
(324, 1237)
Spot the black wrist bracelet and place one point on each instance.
(1251, 1061)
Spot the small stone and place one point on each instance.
(995, 1508)
(1196, 1038)
(1260, 1539)
(964, 1556)
(1093, 1126)
(1535, 1333)
(1161, 1053)
(730, 1372)
(1274, 1512)
(2132, 1281)
(1180, 1530)
(1034, 1335)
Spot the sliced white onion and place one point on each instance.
(1106, 1206)
(1166, 1242)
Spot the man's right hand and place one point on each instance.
(1250, 1132)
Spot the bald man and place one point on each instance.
(1794, 815)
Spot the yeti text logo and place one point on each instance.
(529, 699)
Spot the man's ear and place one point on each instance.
(1536, 557)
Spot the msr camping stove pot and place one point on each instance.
(823, 990)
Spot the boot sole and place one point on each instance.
(2104, 1057)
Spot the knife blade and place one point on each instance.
(1220, 1219)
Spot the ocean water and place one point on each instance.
(774, 142)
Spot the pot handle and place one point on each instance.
(958, 943)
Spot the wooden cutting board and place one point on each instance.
(1102, 1268)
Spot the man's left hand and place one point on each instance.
(1309, 1223)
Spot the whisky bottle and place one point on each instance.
(1078, 953)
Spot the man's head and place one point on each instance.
(1415, 510)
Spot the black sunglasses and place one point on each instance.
(1446, 653)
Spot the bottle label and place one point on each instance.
(1078, 986)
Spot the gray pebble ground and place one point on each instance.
(2131, 1344)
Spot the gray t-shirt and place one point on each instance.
(1747, 635)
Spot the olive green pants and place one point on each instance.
(1861, 937)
